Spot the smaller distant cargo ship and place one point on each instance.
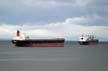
(21, 40)
(88, 40)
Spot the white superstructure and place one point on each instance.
(20, 36)
(87, 38)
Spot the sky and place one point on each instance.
(67, 19)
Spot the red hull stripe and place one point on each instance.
(47, 45)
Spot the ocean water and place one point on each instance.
(71, 57)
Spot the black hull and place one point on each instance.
(84, 43)
(93, 42)
(39, 43)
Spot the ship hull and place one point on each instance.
(39, 43)
(92, 42)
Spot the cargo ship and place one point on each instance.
(88, 40)
(21, 40)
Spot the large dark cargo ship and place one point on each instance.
(88, 40)
(22, 40)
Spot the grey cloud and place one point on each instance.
(27, 10)
(11, 3)
(99, 2)
(89, 2)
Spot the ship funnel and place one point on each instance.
(18, 33)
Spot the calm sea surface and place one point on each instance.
(71, 57)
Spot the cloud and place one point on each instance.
(98, 2)
(70, 28)
(97, 7)
(52, 3)
(56, 18)
(44, 3)
(33, 3)
(36, 11)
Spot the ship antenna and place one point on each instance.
(82, 35)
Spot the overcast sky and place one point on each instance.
(54, 18)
